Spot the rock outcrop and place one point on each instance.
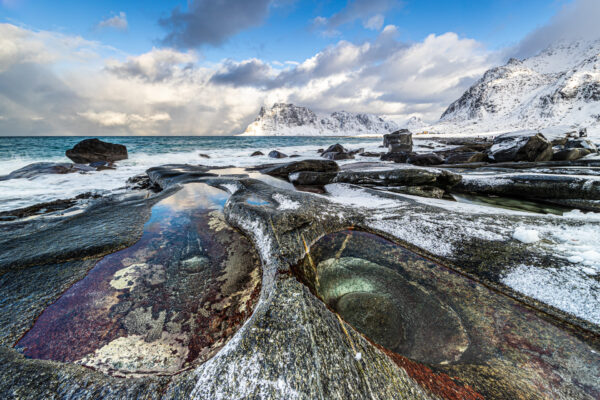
(521, 146)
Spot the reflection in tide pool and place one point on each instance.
(425, 314)
(168, 302)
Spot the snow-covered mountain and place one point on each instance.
(290, 120)
(560, 86)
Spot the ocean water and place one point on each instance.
(144, 152)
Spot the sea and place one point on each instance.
(144, 152)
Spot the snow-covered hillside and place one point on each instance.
(558, 87)
(290, 120)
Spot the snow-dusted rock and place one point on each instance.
(521, 146)
(290, 120)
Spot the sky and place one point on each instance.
(205, 67)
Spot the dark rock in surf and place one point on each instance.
(277, 154)
(44, 168)
(257, 153)
(91, 150)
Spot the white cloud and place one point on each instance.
(374, 23)
(119, 119)
(165, 91)
(117, 22)
(156, 65)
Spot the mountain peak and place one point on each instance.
(285, 119)
(558, 86)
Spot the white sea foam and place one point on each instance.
(17, 193)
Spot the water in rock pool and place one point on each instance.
(171, 300)
(422, 312)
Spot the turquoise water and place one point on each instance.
(144, 152)
(52, 146)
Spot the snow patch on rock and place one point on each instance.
(567, 289)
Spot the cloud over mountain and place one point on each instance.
(166, 91)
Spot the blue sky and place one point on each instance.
(205, 67)
(287, 32)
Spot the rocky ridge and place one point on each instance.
(560, 86)
(291, 120)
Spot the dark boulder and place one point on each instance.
(257, 153)
(425, 159)
(283, 170)
(570, 154)
(310, 178)
(581, 144)
(203, 155)
(276, 154)
(91, 150)
(464, 158)
(332, 155)
(521, 147)
(400, 140)
(398, 157)
(336, 148)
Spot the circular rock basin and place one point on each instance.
(168, 302)
(396, 313)
(441, 326)
(369, 291)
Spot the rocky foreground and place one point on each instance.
(371, 281)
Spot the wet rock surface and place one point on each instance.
(340, 314)
(42, 168)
